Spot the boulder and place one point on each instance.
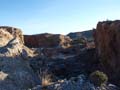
(107, 40)
(47, 40)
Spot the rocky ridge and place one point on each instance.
(21, 68)
(85, 34)
(47, 40)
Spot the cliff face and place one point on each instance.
(4, 37)
(14, 32)
(107, 39)
(15, 71)
(47, 40)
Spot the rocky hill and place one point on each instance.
(85, 34)
(58, 62)
(47, 40)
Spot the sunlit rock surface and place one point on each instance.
(15, 72)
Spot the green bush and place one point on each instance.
(98, 78)
(79, 41)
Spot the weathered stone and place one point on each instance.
(107, 39)
(5, 37)
(47, 40)
(15, 32)
(16, 73)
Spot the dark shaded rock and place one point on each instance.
(76, 83)
(68, 65)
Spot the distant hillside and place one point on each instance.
(47, 40)
(85, 34)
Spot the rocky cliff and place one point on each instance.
(47, 40)
(22, 68)
(14, 32)
(15, 71)
(107, 39)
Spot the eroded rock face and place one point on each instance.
(15, 32)
(107, 39)
(5, 37)
(15, 71)
(47, 40)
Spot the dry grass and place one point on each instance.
(45, 78)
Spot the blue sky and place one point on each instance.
(57, 16)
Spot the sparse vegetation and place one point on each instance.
(79, 41)
(45, 78)
(98, 78)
